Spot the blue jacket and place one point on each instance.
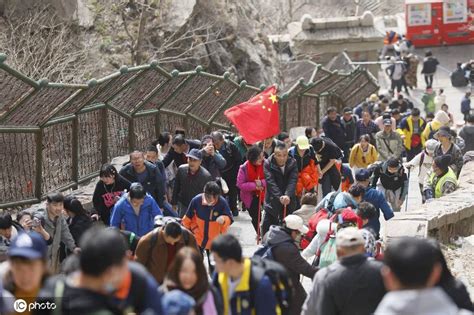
(141, 224)
(261, 301)
(377, 199)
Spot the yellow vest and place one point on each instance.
(450, 176)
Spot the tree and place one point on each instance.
(40, 45)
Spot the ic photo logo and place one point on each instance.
(21, 306)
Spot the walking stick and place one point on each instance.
(259, 215)
(408, 192)
(284, 212)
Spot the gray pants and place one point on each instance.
(392, 197)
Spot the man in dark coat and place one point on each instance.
(333, 128)
(232, 156)
(352, 285)
(141, 171)
(281, 175)
(281, 240)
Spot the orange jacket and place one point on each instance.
(201, 219)
(307, 179)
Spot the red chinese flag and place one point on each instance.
(258, 118)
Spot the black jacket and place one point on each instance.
(187, 186)
(334, 131)
(78, 225)
(285, 252)
(154, 183)
(389, 181)
(349, 129)
(279, 184)
(429, 65)
(351, 286)
(104, 197)
(180, 158)
(232, 156)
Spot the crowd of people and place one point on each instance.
(157, 241)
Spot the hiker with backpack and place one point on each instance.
(281, 174)
(412, 127)
(376, 198)
(328, 206)
(389, 142)
(304, 155)
(280, 242)
(244, 287)
(440, 119)
(393, 182)
(423, 161)
(396, 72)
(157, 249)
(363, 154)
(352, 285)
(322, 246)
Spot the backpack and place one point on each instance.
(324, 213)
(278, 276)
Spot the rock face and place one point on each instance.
(242, 49)
(69, 10)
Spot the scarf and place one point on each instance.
(255, 172)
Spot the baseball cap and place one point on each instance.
(195, 154)
(349, 236)
(176, 302)
(294, 222)
(443, 132)
(302, 142)
(362, 174)
(387, 122)
(347, 110)
(29, 246)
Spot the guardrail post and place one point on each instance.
(131, 135)
(75, 151)
(104, 135)
(39, 164)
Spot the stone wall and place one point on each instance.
(443, 218)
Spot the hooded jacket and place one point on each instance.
(278, 184)
(285, 252)
(430, 301)
(441, 119)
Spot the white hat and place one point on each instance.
(349, 236)
(431, 145)
(294, 222)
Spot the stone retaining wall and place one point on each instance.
(443, 218)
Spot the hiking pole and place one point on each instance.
(408, 190)
(284, 212)
(259, 215)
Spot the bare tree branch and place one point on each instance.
(40, 45)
